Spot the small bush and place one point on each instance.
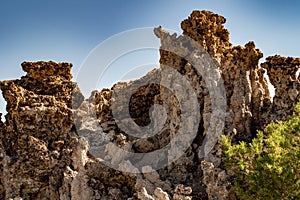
(269, 166)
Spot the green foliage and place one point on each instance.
(269, 166)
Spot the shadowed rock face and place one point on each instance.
(42, 153)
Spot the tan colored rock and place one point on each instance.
(38, 125)
(56, 145)
(207, 28)
(216, 180)
(282, 72)
(182, 193)
(143, 195)
(159, 194)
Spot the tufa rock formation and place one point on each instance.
(56, 145)
(282, 73)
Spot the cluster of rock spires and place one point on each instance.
(44, 156)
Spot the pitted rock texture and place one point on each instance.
(42, 156)
(56, 145)
(216, 181)
(282, 72)
(207, 28)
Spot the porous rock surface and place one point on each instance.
(55, 144)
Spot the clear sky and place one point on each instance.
(67, 30)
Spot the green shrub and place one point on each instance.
(269, 166)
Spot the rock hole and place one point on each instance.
(271, 87)
(141, 102)
(2, 107)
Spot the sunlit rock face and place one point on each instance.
(55, 144)
(282, 73)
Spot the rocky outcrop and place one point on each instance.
(55, 144)
(282, 73)
(247, 93)
(42, 156)
(38, 129)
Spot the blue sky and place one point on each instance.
(68, 30)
